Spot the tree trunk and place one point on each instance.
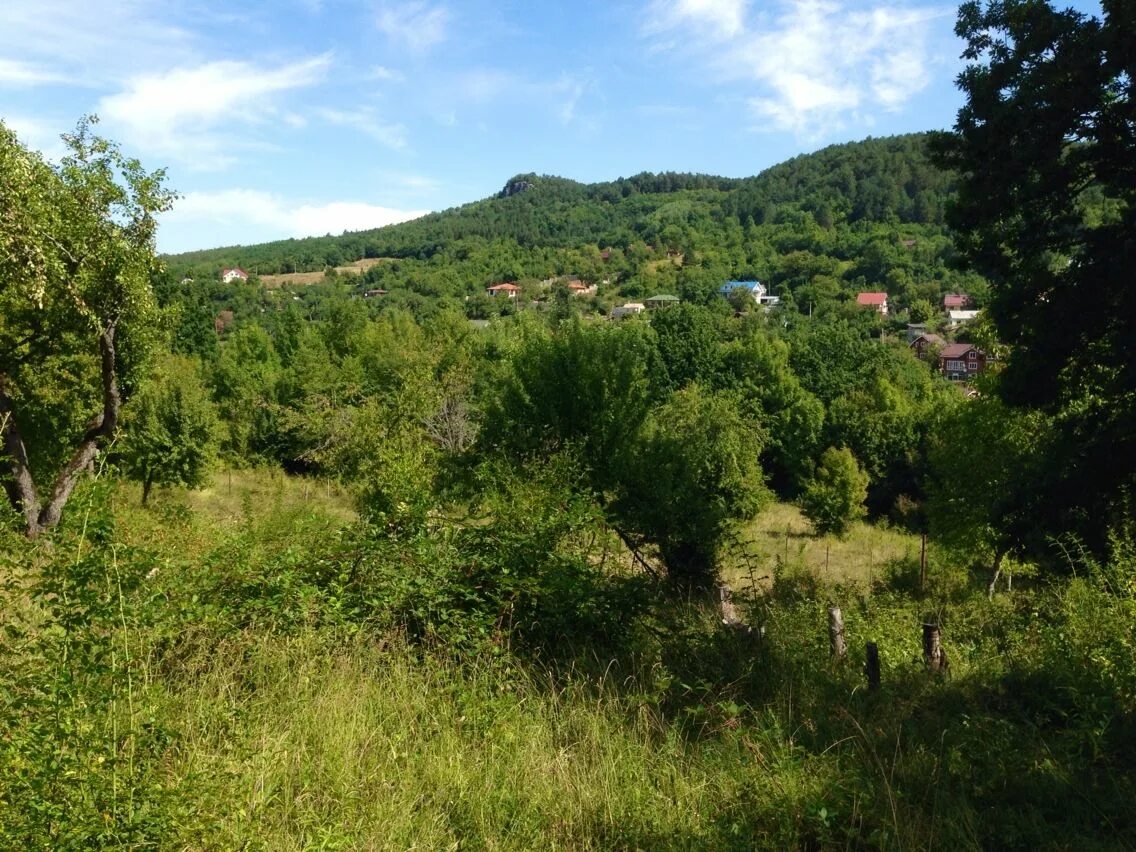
(836, 632)
(20, 486)
(102, 426)
(997, 572)
(147, 484)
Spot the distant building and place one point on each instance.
(661, 301)
(879, 301)
(957, 318)
(234, 274)
(923, 342)
(961, 362)
(578, 288)
(507, 289)
(956, 302)
(756, 290)
(628, 310)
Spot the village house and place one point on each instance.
(628, 310)
(661, 301)
(924, 342)
(756, 290)
(507, 289)
(957, 318)
(956, 302)
(234, 274)
(579, 288)
(960, 362)
(879, 301)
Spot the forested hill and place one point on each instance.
(887, 181)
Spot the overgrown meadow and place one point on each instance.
(250, 668)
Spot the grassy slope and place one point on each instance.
(307, 735)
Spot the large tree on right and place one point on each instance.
(1045, 151)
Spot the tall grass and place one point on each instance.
(362, 746)
(181, 678)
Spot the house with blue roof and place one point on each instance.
(756, 290)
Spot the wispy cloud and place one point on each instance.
(367, 121)
(236, 208)
(191, 113)
(94, 42)
(720, 19)
(13, 72)
(811, 66)
(413, 23)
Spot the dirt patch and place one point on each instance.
(357, 268)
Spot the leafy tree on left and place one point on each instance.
(77, 312)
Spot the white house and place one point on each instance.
(628, 310)
(234, 274)
(957, 318)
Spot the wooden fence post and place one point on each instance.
(872, 665)
(933, 654)
(922, 561)
(836, 632)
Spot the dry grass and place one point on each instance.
(356, 268)
(782, 533)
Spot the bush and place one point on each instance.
(835, 495)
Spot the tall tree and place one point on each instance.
(1046, 151)
(77, 311)
(170, 429)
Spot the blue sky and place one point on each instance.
(298, 117)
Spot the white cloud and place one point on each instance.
(95, 42)
(414, 24)
(233, 209)
(13, 72)
(195, 114)
(366, 121)
(810, 65)
(718, 18)
(381, 72)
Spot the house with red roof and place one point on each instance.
(879, 301)
(961, 362)
(507, 289)
(234, 274)
(956, 302)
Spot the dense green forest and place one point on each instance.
(816, 230)
(383, 561)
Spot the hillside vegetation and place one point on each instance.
(315, 565)
(816, 229)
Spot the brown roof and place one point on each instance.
(930, 338)
(871, 298)
(956, 350)
(955, 300)
(507, 287)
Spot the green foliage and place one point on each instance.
(1047, 211)
(835, 495)
(692, 474)
(170, 429)
(78, 317)
(585, 390)
(982, 502)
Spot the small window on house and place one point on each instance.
(972, 355)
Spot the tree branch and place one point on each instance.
(19, 486)
(102, 426)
